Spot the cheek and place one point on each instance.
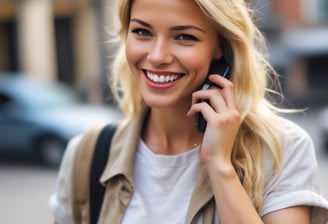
(133, 52)
(197, 61)
(130, 53)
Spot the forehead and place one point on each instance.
(174, 11)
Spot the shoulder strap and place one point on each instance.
(81, 174)
(99, 160)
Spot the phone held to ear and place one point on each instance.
(221, 67)
(201, 122)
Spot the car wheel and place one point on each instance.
(51, 150)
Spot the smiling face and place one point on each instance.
(169, 47)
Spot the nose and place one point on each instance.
(160, 53)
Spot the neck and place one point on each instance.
(170, 132)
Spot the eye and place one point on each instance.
(141, 32)
(186, 37)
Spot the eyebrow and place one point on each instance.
(175, 28)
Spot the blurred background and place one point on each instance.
(62, 46)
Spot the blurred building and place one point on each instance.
(61, 40)
(297, 32)
(66, 40)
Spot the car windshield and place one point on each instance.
(45, 96)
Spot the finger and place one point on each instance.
(213, 96)
(227, 89)
(217, 100)
(201, 107)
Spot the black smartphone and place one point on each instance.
(221, 67)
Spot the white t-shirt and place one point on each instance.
(298, 183)
(167, 200)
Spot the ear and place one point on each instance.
(218, 54)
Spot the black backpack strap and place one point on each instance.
(99, 160)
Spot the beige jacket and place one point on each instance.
(118, 178)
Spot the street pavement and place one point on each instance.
(25, 187)
(24, 191)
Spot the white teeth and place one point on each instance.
(161, 78)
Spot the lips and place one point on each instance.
(162, 77)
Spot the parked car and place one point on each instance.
(38, 118)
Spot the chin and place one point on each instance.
(159, 105)
(158, 102)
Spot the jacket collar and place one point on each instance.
(123, 148)
(122, 156)
(202, 194)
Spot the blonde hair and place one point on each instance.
(251, 74)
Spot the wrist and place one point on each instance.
(220, 169)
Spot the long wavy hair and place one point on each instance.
(252, 76)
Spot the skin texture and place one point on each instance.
(171, 47)
(184, 44)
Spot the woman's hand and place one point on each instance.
(223, 120)
(223, 123)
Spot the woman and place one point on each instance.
(248, 166)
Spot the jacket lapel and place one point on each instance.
(201, 196)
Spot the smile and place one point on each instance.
(162, 77)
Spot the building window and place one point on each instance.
(318, 70)
(64, 50)
(8, 46)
